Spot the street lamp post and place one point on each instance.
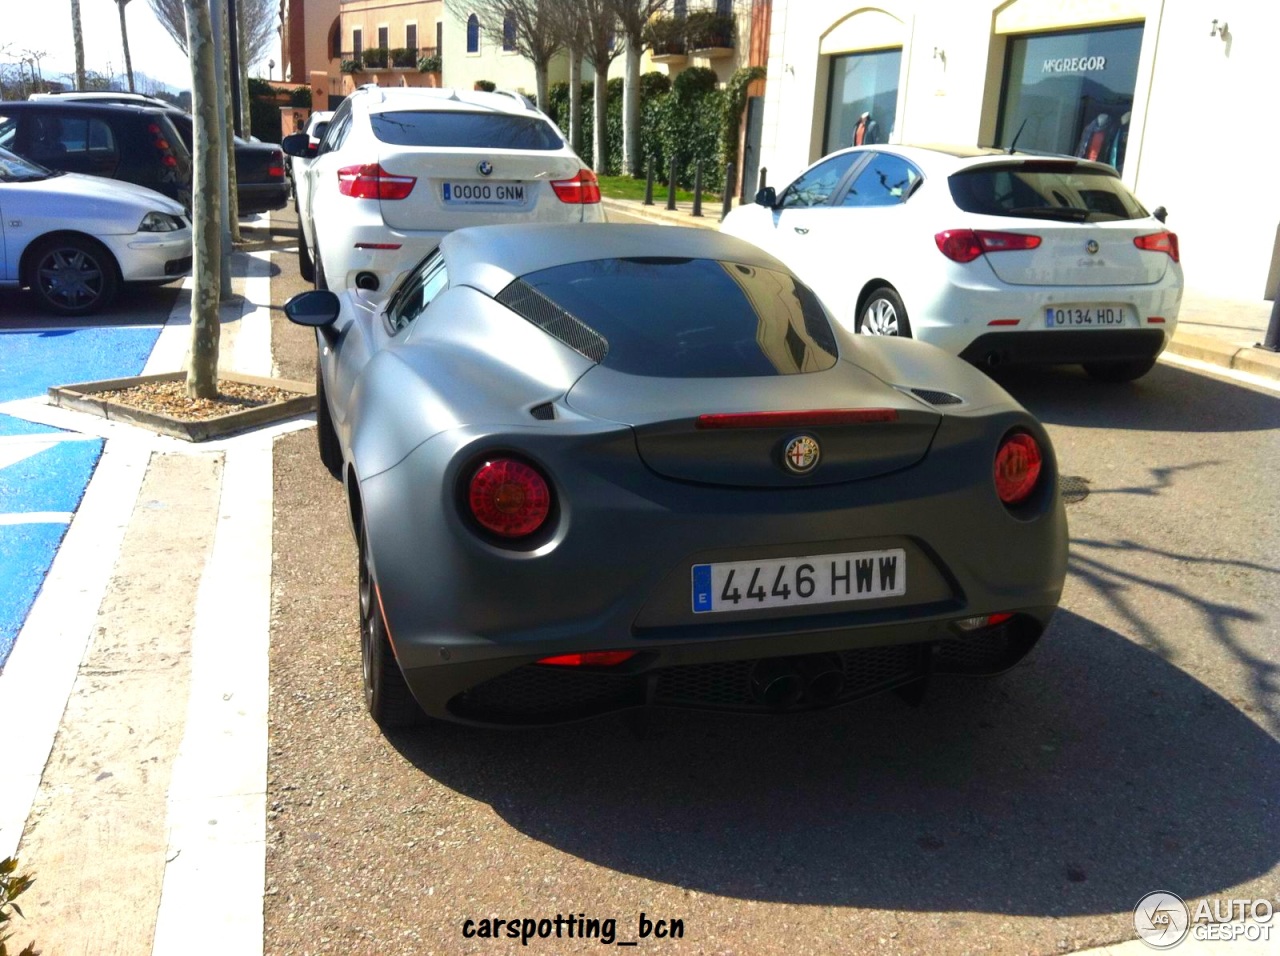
(271, 65)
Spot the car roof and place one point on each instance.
(488, 258)
(380, 99)
(944, 159)
(101, 96)
(96, 106)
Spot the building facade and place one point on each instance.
(1170, 96)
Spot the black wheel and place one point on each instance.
(326, 436)
(884, 314)
(1119, 371)
(72, 275)
(306, 265)
(386, 694)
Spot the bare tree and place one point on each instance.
(77, 37)
(124, 39)
(575, 37)
(528, 26)
(202, 360)
(261, 21)
(633, 16)
(596, 18)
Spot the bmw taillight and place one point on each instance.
(583, 189)
(371, 181)
(509, 498)
(1017, 468)
(1166, 242)
(965, 245)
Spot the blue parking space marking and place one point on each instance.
(40, 486)
(33, 360)
(20, 426)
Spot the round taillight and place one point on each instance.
(509, 498)
(1017, 468)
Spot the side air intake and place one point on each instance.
(934, 397)
(530, 304)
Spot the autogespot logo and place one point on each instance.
(1161, 919)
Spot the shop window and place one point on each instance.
(1071, 93)
(473, 34)
(862, 99)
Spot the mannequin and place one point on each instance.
(1093, 141)
(1118, 143)
(867, 131)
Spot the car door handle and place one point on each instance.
(801, 230)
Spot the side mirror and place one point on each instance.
(767, 197)
(1160, 213)
(296, 144)
(317, 308)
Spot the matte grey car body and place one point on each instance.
(661, 459)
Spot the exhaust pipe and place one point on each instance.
(824, 678)
(777, 683)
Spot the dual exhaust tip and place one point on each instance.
(787, 683)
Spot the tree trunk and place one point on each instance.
(77, 37)
(542, 84)
(575, 101)
(124, 39)
(233, 198)
(600, 156)
(242, 35)
(202, 361)
(631, 161)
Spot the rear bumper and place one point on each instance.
(828, 669)
(1062, 347)
(254, 198)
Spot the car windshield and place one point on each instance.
(449, 128)
(679, 318)
(1066, 191)
(15, 169)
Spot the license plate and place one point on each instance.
(484, 194)
(1096, 316)
(796, 582)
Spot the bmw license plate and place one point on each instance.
(1086, 316)
(484, 194)
(796, 582)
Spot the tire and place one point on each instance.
(306, 265)
(326, 435)
(884, 314)
(1119, 372)
(386, 694)
(72, 275)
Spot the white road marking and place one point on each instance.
(37, 517)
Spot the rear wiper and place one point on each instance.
(1066, 213)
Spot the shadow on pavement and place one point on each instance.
(1167, 398)
(1090, 775)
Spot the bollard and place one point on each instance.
(648, 184)
(764, 178)
(730, 181)
(1272, 341)
(697, 189)
(671, 187)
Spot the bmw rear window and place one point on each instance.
(1066, 191)
(679, 318)
(448, 128)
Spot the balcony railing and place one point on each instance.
(696, 33)
(374, 59)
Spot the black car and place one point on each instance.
(136, 144)
(260, 172)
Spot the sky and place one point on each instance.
(45, 26)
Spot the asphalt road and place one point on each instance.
(1137, 749)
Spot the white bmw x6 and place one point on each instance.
(399, 168)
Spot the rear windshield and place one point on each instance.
(1069, 192)
(464, 130)
(679, 318)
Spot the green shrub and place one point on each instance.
(402, 58)
(351, 66)
(375, 58)
(301, 97)
(12, 885)
(708, 29)
(487, 86)
(665, 36)
(430, 64)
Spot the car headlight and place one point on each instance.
(161, 222)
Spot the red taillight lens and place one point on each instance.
(1017, 468)
(371, 181)
(168, 160)
(582, 189)
(589, 659)
(1166, 242)
(509, 498)
(965, 245)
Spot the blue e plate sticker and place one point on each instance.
(446, 191)
(701, 588)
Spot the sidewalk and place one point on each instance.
(1222, 332)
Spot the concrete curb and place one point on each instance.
(1213, 351)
